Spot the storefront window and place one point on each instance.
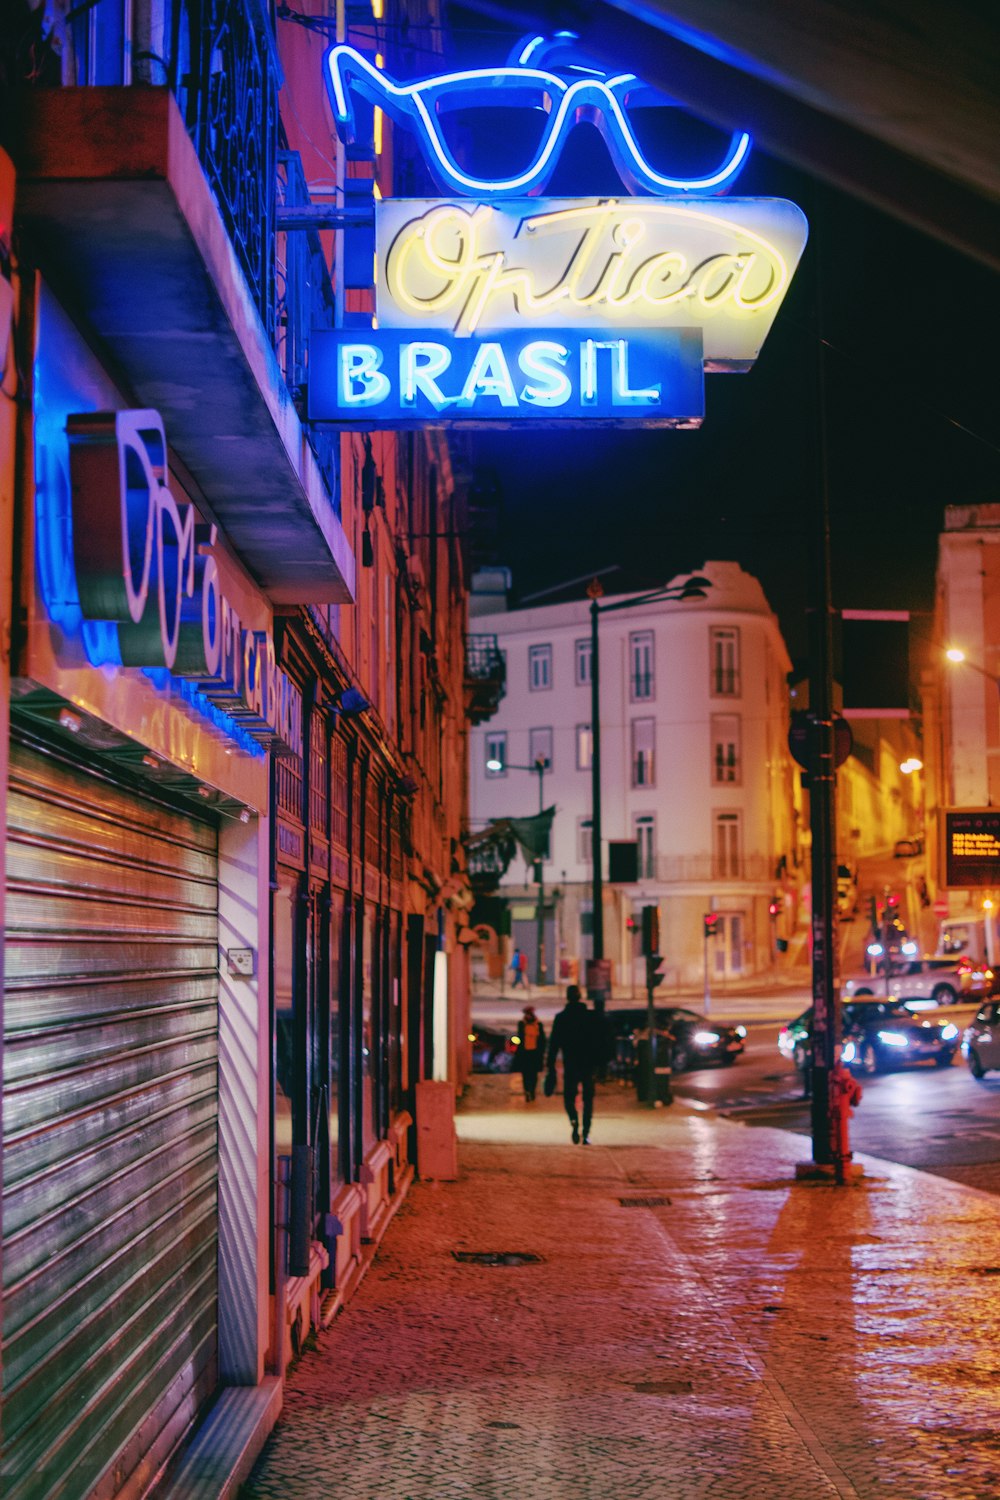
(337, 1166)
(288, 1039)
(369, 1039)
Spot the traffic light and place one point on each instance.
(711, 923)
(774, 908)
(654, 970)
(650, 929)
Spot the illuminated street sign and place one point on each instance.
(542, 76)
(614, 263)
(972, 847)
(393, 378)
(143, 565)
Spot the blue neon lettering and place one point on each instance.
(541, 361)
(420, 364)
(360, 378)
(489, 376)
(621, 395)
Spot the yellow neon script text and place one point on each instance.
(440, 264)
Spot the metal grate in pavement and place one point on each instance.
(496, 1257)
(663, 1387)
(648, 1202)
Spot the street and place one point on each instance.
(937, 1120)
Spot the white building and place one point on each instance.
(695, 769)
(962, 723)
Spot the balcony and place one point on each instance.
(694, 869)
(485, 677)
(487, 856)
(147, 195)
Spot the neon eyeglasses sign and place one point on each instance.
(566, 94)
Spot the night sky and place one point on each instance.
(912, 404)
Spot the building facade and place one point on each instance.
(234, 742)
(696, 773)
(961, 717)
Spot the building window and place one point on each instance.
(540, 747)
(643, 752)
(726, 749)
(583, 663)
(726, 846)
(645, 838)
(640, 651)
(496, 753)
(725, 655)
(539, 668)
(584, 747)
(584, 840)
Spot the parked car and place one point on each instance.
(492, 1050)
(941, 980)
(883, 1034)
(981, 1042)
(847, 893)
(877, 1034)
(907, 848)
(697, 1040)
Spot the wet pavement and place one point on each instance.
(698, 1324)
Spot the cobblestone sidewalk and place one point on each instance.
(697, 1325)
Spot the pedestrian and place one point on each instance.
(575, 1034)
(530, 1051)
(517, 970)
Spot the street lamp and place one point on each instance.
(693, 588)
(957, 656)
(539, 769)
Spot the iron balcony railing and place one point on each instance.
(305, 301)
(683, 868)
(485, 677)
(219, 59)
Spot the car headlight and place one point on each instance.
(849, 1052)
(893, 1039)
(909, 949)
(741, 1031)
(948, 1032)
(705, 1038)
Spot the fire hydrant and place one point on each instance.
(845, 1095)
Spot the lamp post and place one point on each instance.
(693, 588)
(538, 769)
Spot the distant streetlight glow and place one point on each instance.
(909, 766)
(954, 653)
(494, 765)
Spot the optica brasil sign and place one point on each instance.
(610, 263)
(517, 308)
(428, 378)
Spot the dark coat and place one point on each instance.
(575, 1034)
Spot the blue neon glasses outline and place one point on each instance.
(571, 94)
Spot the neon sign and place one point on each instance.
(614, 263)
(565, 93)
(394, 378)
(144, 566)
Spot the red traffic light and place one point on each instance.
(711, 920)
(774, 908)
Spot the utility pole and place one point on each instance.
(822, 785)
(540, 876)
(595, 591)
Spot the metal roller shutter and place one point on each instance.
(110, 1139)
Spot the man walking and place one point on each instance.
(575, 1034)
